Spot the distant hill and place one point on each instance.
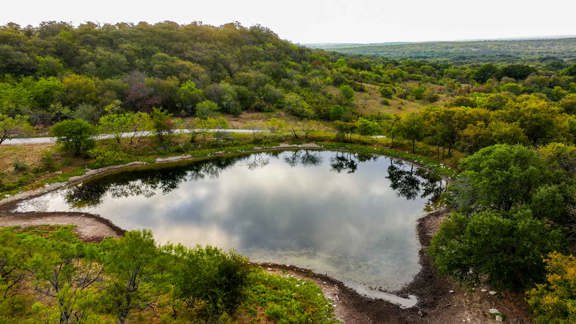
(466, 51)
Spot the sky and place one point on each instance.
(325, 21)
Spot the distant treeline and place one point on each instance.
(466, 51)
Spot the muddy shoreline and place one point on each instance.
(351, 307)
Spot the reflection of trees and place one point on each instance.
(304, 158)
(257, 161)
(407, 180)
(346, 161)
(411, 183)
(144, 183)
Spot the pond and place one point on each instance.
(350, 216)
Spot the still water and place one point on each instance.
(347, 215)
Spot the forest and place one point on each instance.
(466, 51)
(502, 118)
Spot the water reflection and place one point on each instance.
(348, 215)
(412, 182)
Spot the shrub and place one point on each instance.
(20, 166)
(387, 91)
(368, 127)
(555, 300)
(211, 276)
(105, 157)
(47, 162)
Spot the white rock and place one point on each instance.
(494, 311)
(492, 292)
(483, 290)
(451, 291)
(499, 318)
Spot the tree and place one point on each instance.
(129, 261)
(412, 128)
(516, 71)
(508, 248)
(347, 93)
(498, 177)
(189, 96)
(115, 124)
(206, 109)
(12, 258)
(78, 89)
(485, 72)
(63, 269)
(367, 126)
(553, 301)
(75, 136)
(11, 127)
(295, 105)
(161, 123)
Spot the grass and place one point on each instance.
(277, 299)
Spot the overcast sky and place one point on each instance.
(320, 21)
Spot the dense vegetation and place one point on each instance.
(515, 118)
(465, 51)
(48, 275)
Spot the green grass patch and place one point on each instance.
(272, 298)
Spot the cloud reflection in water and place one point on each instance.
(352, 217)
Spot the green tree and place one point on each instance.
(12, 261)
(75, 136)
(368, 127)
(11, 127)
(500, 177)
(412, 128)
(295, 105)
(64, 268)
(189, 96)
(206, 109)
(116, 124)
(130, 263)
(161, 123)
(507, 248)
(347, 93)
(386, 91)
(485, 72)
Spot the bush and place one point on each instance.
(47, 162)
(387, 92)
(211, 276)
(20, 166)
(105, 157)
(368, 127)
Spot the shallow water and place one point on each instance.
(350, 216)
